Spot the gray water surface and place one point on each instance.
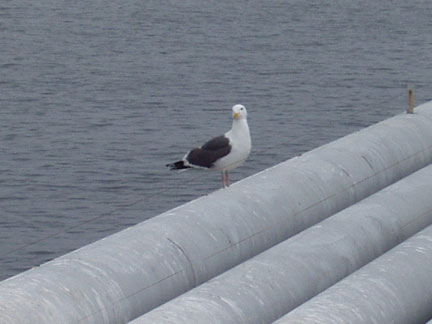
(96, 97)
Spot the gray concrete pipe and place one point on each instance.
(271, 284)
(395, 288)
(129, 273)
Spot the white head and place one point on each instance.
(239, 112)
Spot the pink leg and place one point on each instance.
(228, 178)
(223, 179)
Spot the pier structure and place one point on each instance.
(273, 241)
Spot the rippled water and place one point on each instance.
(96, 97)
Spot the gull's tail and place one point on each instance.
(179, 165)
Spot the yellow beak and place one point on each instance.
(235, 115)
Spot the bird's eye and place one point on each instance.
(241, 108)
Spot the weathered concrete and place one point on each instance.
(269, 285)
(127, 274)
(395, 288)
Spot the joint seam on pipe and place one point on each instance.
(187, 258)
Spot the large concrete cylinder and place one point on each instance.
(271, 284)
(395, 288)
(127, 274)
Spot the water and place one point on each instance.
(96, 97)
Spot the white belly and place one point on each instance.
(236, 157)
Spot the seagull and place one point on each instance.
(222, 153)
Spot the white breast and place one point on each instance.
(240, 142)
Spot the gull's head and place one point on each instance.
(239, 112)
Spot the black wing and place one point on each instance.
(217, 143)
(210, 152)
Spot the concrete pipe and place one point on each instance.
(395, 288)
